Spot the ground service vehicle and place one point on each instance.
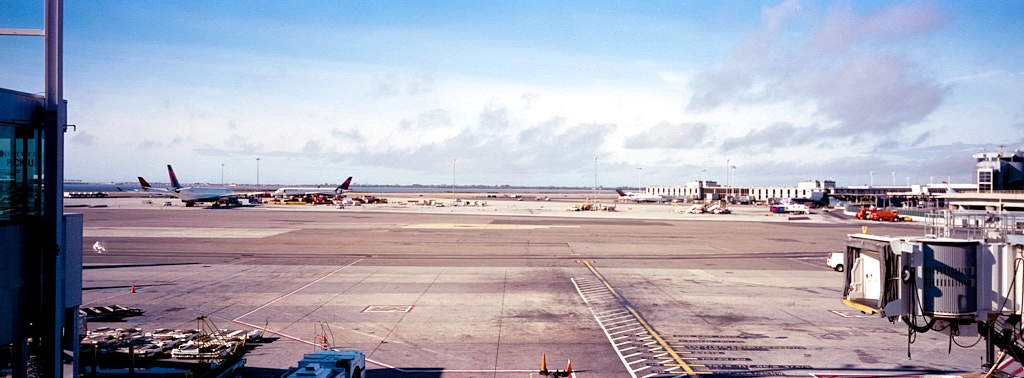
(878, 215)
(835, 260)
(330, 363)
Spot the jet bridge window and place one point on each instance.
(21, 175)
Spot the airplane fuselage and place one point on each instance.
(288, 192)
(203, 194)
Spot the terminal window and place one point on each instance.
(20, 172)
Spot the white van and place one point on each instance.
(835, 260)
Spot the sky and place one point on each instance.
(534, 93)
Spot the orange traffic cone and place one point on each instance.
(543, 364)
(568, 368)
(133, 288)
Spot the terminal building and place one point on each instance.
(998, 186)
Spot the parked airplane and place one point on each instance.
(639, 197)
(949, 188)
(299, 192)
(146, 187)
(191, 195)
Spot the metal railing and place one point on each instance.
(991, 226)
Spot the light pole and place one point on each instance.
(222, 173)
(872, 182)
(639, 172)
(733, 167)
(453, 181)
(894, 179)
(257, 173)
(595, 179)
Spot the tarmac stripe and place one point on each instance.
(610, 317)
(381, 364)
(297, 290)
(476, 226)
(182, 232)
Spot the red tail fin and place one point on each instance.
(174, 179)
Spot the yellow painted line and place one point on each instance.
(860, 307)
(675, 355)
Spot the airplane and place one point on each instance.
(146, 187)
(949, 188)
(300, 192)
(638, 197)
(191, 195)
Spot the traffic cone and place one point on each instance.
(568, 368)
(133, 288)
(543, 364)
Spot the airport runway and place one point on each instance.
(484, 292)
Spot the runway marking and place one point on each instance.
(182, 232)
(645, 353)
(368, 360)
(296, 290)
(474, 226)
(387, 308)
(613, 308)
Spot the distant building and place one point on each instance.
(999, 171)
(998, 186)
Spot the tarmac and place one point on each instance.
(486, 291)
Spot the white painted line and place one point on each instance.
(621, 332)
(624, 363)
(297, 290)
(622, 326)
(182, 232)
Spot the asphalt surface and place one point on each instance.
(487, 291)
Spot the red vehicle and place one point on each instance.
(886, 215)
(878, 215)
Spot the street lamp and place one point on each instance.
(733, 167)
(222, 173)
(726, 172)
(453, 181)
(257, 173)
(894, 179)
(872, 182)
(595, 179)
(639, 173)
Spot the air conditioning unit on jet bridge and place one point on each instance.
(956, 281)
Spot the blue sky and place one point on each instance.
(530, 93)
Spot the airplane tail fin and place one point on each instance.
(144, 184)
(345, 184)
(949, 188)
(621, 193)
(174, 179)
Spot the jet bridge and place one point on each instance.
(962, 279)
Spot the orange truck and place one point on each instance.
(878, 215)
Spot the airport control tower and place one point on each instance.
(1000, 171)
(40, 246)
